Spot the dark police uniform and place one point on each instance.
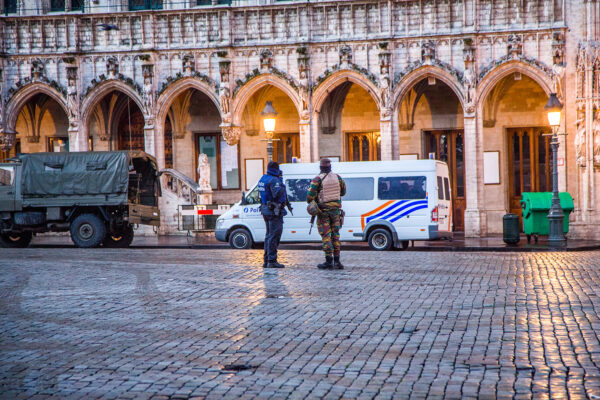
(272, 198)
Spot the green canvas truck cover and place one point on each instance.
(77, 173)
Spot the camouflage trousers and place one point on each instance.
(328, 224)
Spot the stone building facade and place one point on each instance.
(464, 81)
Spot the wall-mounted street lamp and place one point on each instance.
(269, 114)
(555, 216)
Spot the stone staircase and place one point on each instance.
(177, 189)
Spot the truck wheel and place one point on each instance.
(15, 240)
(380, 240)
(87, 230)
(121, 239)
(240, 239)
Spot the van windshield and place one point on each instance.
(402, 188)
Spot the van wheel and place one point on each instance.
(121, 239)
(87, 230)
(240, 239)
(380, 240)
(15, 240)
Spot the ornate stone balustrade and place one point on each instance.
(271, 25)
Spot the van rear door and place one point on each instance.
(444, 198)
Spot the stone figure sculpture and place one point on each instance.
(596, 133)
(204, 173)
(224, 101)
(580, 142)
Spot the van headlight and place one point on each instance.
(220, 222)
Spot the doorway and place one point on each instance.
(364, 146)
(448, 146)
(286, 148)
(529, 157)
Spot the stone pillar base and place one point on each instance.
(206, 198)
(474, 221)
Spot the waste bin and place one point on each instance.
(536, 206)
(511, 233)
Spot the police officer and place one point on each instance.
(327, 190)
(273, 199)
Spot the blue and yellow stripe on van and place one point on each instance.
(393, 210)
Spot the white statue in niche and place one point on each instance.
(204, 173)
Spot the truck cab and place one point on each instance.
(97, 196)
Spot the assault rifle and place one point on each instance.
(312, 223)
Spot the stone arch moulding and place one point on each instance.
(170, 93)
(409, 80)
(251, 87)
(490, 77)
(98, 92)
(337, 78)
(18, 100)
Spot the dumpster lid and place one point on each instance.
(543, 200)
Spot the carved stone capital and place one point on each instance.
(7, 140)
(489, 123)
(405, 127)
(252, 132)
(32, 139)
(231, 134)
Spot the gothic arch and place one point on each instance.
(490, 78)
(250, 88)
(415, 76)
(92, 98)
(336, 79)
(24, 94)
(166, 98)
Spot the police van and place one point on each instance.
(387, 204)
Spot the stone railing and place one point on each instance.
(180, 185)
(288, 23)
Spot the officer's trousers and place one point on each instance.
(274, 226)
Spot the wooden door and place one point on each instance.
(286, 148)
(365, 146)
(448, 146)
(529, 163)
(131, 131)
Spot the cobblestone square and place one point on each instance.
(173, 323)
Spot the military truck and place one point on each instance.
(97, 196)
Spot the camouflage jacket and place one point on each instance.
(315, 187)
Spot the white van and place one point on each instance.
(387, 203)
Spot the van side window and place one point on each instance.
(359, 189)
(447, 188)
(6, 176)
(440, 188)
(402, 187)
(297, 189)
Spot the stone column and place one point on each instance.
(473, 213)
(78, 137)
(305, 150)
(315, 128)
(385, 130)
(159, 144)
(149, 139)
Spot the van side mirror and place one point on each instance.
(244, 202)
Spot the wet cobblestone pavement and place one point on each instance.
(172, 323)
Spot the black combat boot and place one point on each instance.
(328, 264)
(274, 264)
(337, 264)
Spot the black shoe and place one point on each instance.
(328, 264)
(274, 264)
(265, 264)
(337, 264)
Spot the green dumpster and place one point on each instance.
(536, 206)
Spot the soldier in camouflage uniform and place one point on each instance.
(327, 189)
